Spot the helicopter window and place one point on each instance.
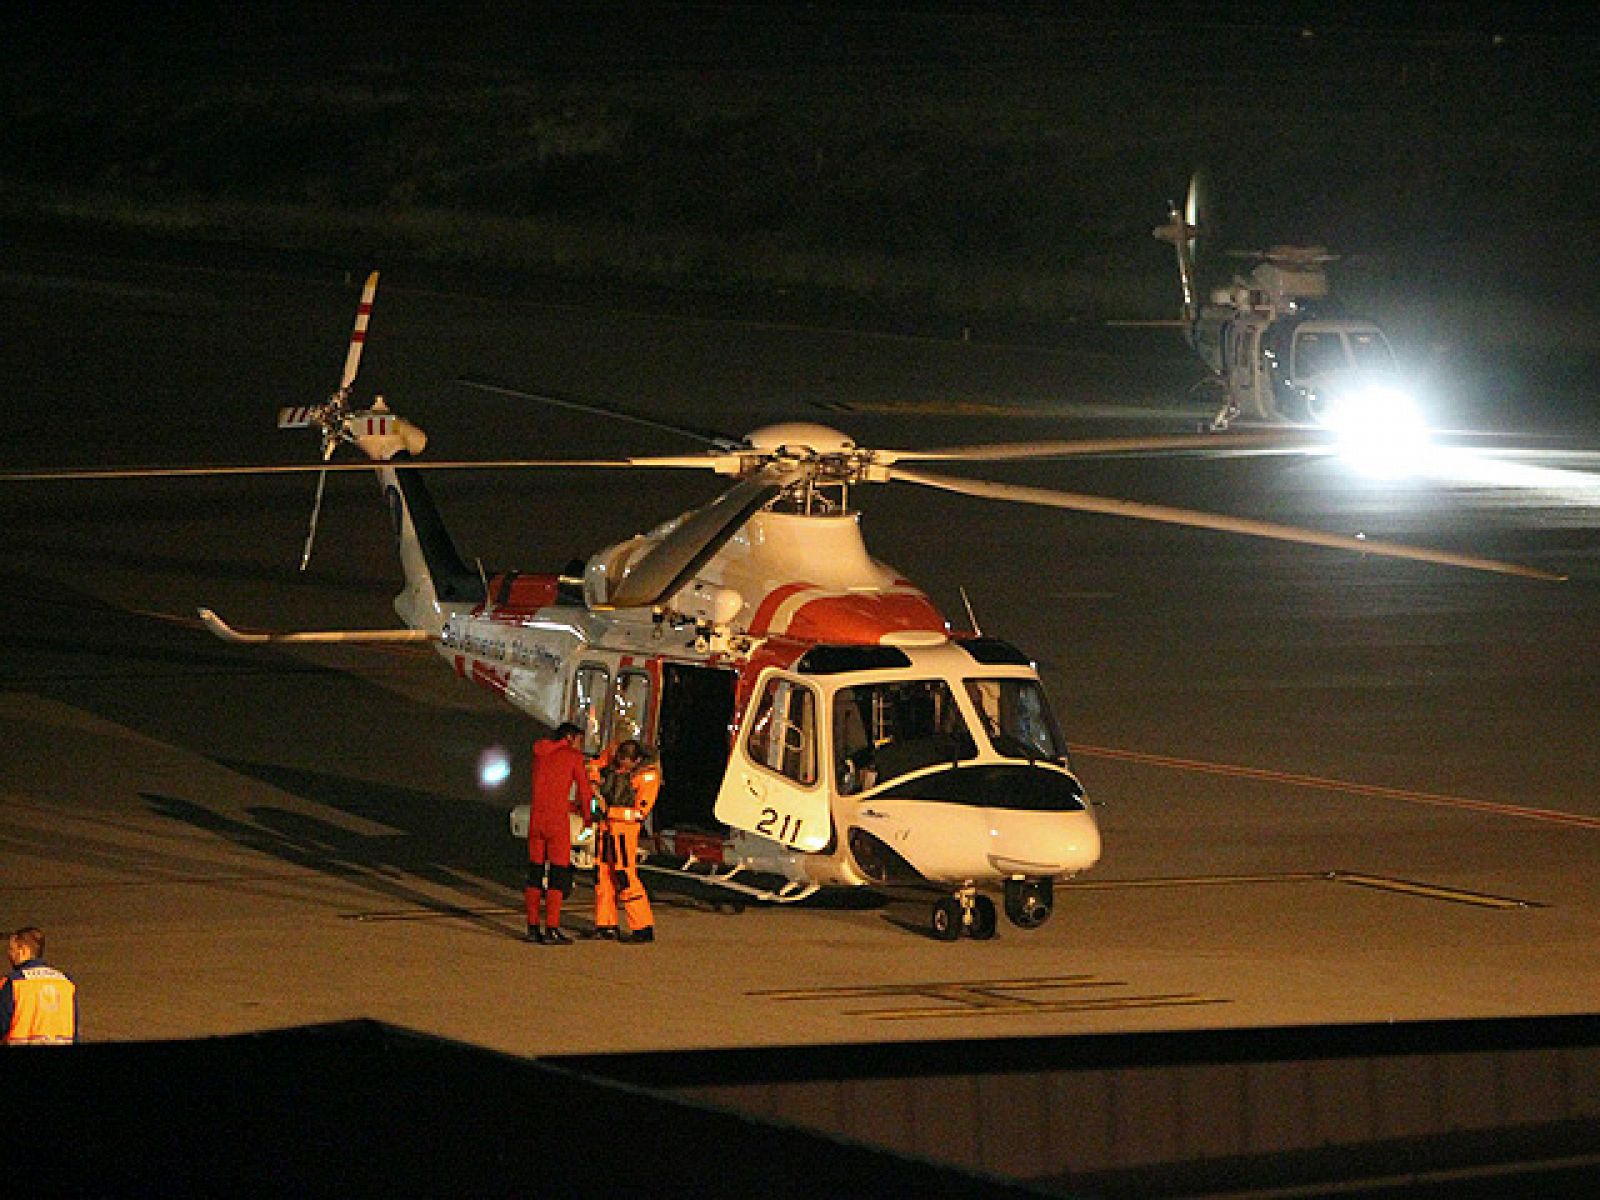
(630, 707)
(783, 735)
(992, 652)
(1371, 351)
(883, 730)
(589, 685)
(1017, 718)
(1318, 353)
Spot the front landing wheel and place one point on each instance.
(945, 921)
(984, 920)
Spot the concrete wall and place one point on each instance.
(1142, 1112)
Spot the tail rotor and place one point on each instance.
(332, 417)
(1183, 229)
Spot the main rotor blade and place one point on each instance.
(1204, 520)
(1245, 443)
(711, 438)
(672, 562)
(505, 464)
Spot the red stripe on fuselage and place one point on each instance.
(762, 621)
(864, 620)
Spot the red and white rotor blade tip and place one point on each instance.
(358, 336)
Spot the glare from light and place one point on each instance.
(1482, 469)
(494, 768)
(1380, 430)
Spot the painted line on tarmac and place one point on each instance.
(445, 912)
(986, 997)
(1034, 1008)
(1403, 887)
(1429, 891)
(1523, 812)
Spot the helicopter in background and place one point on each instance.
(1280, 348)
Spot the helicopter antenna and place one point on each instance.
(488, 596)
(972, 617)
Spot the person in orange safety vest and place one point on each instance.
(38, 1004)
(629, 780)
(558, 773)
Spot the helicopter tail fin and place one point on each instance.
(1183, 230)
(435, 575)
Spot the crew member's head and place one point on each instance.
(25, 944)
(570, 733)
(629, 754)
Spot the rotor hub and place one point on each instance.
(800, 439)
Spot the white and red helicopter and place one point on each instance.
(819, 722)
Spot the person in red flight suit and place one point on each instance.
(558, 773)
(38, 1004)
(629, 782)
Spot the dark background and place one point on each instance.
(990, 163)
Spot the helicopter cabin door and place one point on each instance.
(774, 786)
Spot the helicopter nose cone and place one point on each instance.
(800, 435)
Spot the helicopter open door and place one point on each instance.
(692, 740)
(774, 786)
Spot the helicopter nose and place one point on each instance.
(1021, 843)
(946, 842)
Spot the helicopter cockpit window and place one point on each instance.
(1371, 351)
(630, 707)
(589, 686)
(783, 732)
(1318, 352)
(885, 730)
(1017, 718)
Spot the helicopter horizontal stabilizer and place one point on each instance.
(229, 634)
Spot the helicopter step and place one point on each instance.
(734, 878)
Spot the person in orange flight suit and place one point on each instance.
(38, 1004)
(558, 771)
(629, 781)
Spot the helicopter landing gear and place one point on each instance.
(965, 912)
(1028, 902)
(1212, 391)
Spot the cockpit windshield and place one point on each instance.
(884, 730)
(1318, 352)
(1371, 350)
(1017, 718)
(1322, 352)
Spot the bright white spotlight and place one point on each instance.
(494, 768)
(1380, 429)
